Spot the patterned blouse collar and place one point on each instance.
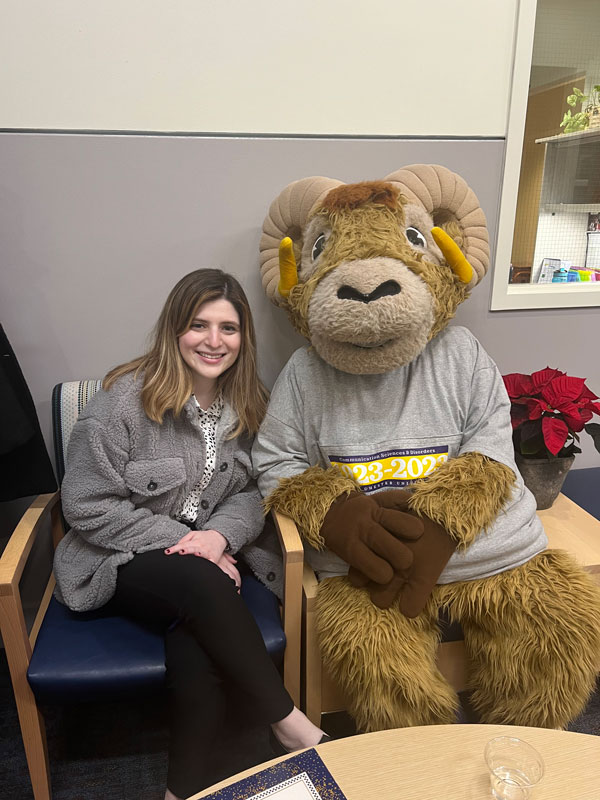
(215, 410)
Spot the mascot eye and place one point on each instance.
(416, 237)
(318, 246)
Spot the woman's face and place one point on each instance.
(212, 343)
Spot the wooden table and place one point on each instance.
(445, 762)
(569, 527)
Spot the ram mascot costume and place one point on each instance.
(388, 442)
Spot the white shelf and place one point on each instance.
(582, 208)
(570, 138)
(548, 295)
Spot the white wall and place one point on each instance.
(381, 67)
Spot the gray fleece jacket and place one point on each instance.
(127, 477)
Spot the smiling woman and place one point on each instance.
(168, 377)
(211, 346)
(159, 495)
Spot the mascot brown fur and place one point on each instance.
(391, 401)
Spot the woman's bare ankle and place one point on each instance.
(170, 796)
(296, 731)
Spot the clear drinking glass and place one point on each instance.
(516, 768)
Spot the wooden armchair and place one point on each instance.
(69, 657)
(567, 526)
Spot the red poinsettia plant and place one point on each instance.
(548, 410)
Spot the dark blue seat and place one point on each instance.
(583, 487)
(96, 655)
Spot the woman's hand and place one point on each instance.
(226, 563)
(206, 544)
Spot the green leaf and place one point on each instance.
(530, 429)
(574, 122)
(593, 428)
(533, 445)
(565, 119)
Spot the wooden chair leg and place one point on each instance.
(33, 729)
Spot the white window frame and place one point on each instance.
(507, 296)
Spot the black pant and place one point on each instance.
(216, 645)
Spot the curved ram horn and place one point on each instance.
(445, 196)
(287, 216)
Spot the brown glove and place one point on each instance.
(382, 594)
(431, 553)
(370, 535)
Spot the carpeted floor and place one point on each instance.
(119, 751)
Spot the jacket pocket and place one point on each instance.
(241, 473)
(153, 477)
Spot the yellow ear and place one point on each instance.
(288, 273)
(453, 255)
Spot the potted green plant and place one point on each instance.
(548, 411)
(588, 116)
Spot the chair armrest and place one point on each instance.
(310, 584)
(293, 562)
(18, 643)
(289, 538)
(14, 557)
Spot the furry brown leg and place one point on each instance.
(532, 636)
(384, 661)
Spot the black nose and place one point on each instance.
(383, 290)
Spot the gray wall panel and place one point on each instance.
(95, 229)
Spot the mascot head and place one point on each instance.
(370, 272)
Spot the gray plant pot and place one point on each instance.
(544, 477)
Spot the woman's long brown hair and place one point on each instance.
(167, 380)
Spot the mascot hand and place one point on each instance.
(431, 553)
(382, 595)
(369, 533)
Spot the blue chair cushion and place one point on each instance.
(583, 487)
(96, 655)
(264, 606)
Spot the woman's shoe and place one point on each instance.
(280, 750)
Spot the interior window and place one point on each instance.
(557, 227)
